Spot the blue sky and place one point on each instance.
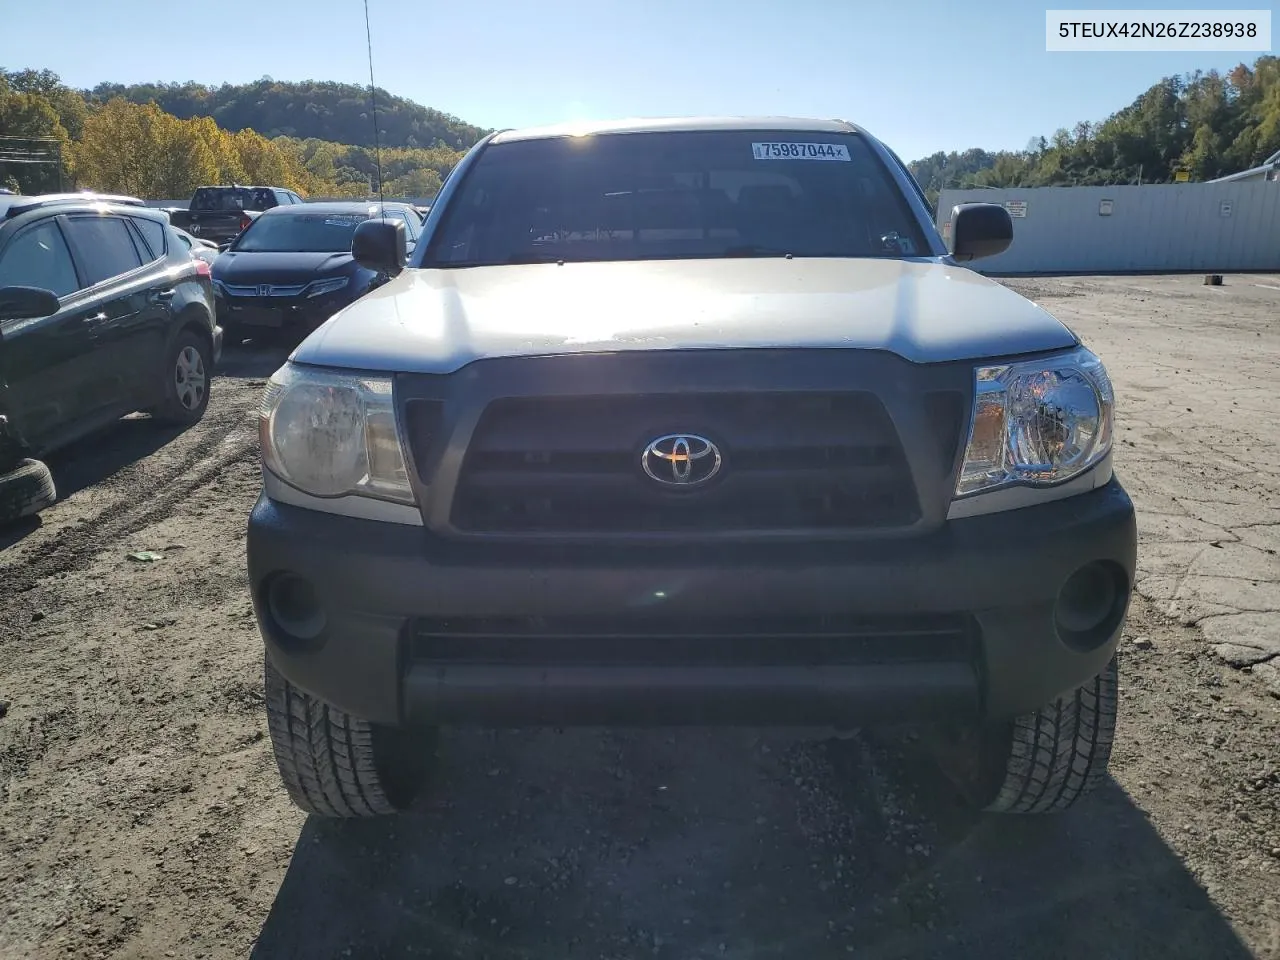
(923, 76)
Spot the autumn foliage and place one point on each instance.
(139, 149)
(163, 140)
(1205, 125)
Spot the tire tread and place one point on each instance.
(1059, 753)
(326, 757)
(25, 489)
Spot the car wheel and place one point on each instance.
(1041, 762)
(186, 380)
(26, 488)
(337, 765)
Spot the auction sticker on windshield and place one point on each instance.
(800, 151)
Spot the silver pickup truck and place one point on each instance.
(690, 422)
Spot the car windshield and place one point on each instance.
(300, 233)
(651, 196)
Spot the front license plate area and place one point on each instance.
(258, 316)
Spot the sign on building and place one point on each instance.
(1104, 207)
(1016, 208)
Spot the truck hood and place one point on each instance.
(437, 321)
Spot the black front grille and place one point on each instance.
(791, 461)
(693, 641)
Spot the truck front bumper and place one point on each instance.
(986, 618)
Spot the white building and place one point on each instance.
(1229, 225)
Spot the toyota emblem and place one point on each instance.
(681, 460)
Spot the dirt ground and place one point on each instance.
(141, 814)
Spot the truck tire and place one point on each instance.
(25, 489)
(1041, 762)
(337, 765)
(188, 368)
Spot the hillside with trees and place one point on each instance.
(163, 140)
(310, 110)
(143, 149)
(1206, 124)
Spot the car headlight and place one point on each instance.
(1037, 423)
(332, 434)
(319, 288)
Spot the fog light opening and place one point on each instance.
(295, 607)
(1091, 604)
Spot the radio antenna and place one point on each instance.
(373, 103)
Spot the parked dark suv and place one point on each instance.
(102, 312)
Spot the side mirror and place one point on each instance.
(380, 245)
(979, 230)
(24, 303)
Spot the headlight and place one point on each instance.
(1037, 423)
(319, 288)
(332, 434)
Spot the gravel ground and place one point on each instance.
(141, 815)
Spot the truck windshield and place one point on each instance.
(230, 198)
(300, 233)
(651, 196)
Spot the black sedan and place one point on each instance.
(291, 269)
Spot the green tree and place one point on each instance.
(145, 152)
(222, 148)
(1204, 157)
(67, 103)
(112, 156)
(183, 160)
(338, 112)
(1207, 123)
(28, 118)
(265, 163)
(422, 182)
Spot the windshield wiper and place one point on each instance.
(514, 260)
(753, 250)
(517, 258)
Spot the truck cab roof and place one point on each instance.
(676, 125)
